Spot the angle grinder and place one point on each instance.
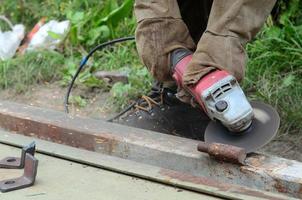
(235, 121)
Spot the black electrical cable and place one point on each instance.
(84, 61)
(122, 112)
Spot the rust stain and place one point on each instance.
(227, 172)
(300, 192)
(259, 162)
(256, 160)
(194, 179)
(110, 146)
(100, 140)
(258, 194)
(212, 183)
(249, 171)
(58, 133)
(107, 142)
(280, 188)
(42, 130)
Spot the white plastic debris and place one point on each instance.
(10, 40)
(49, 35)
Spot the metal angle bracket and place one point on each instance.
(27, 179)
(18, 163)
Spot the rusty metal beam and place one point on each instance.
(169, 152)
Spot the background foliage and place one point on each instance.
(273, 72)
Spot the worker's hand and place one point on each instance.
(160, 30)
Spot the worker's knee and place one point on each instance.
(150, 9)
(155, 41)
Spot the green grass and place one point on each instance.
(33, 68)
(92, 22)
(274, 73)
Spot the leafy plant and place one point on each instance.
(117, 14)
(101, 22)
(274, 72)
(85, 78)
(78, 101)
(288, 10)
(140, 83)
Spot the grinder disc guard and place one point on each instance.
(264, 127)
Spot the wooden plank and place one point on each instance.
(60, 179)
(139, 170)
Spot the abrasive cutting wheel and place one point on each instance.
(263, 129)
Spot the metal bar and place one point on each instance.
(18, 163)
(262, 172)
(223, 152)
(26, 180)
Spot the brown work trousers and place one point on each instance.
(216, 30)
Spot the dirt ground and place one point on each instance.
(52, 95)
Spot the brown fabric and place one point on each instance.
(150, 9)
(230, 26)
(154, 43)
(160, 30)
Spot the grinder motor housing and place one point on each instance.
(218, 93)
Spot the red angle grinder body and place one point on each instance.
(235, 121)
